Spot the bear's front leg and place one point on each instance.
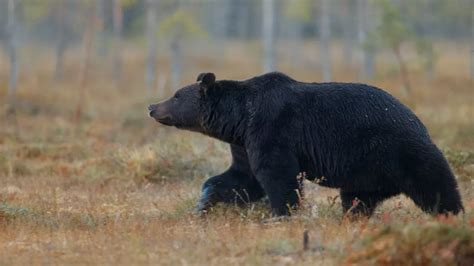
(277, 174)
(236, 185)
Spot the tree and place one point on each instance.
(325, 39)
(268, 32)
(178, 27)
(348, 31)
(366, 47)
(298, 13)
(151, 29)
(90, 25)
(60, 45)
(117, 28)
(472, 41)
(392, 33)
(12, 48)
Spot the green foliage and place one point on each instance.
(391, 31)
(35, 10)
(181, 24)
(299, 10)
(426, 50)
(128, 3)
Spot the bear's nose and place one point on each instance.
(152, 110)
(152, 113)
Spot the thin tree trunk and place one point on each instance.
(12, 54)
(430, 67)
(403, 71)
(430, 54)
(472, 41)
(268, 35)
(348, 33)
(117, 30)
(295, 44)
(60, 41)
(220, 20)
(325, 39)
(151, 25)
(176, 55)
(243, 19)
(101, 35)
(12, 48)
(83, 73)
(366, 54)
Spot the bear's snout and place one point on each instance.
(152, 110)
(160, 114)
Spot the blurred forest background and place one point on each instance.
(321, 35)
(87, 177)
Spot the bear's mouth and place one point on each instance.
(167, 121)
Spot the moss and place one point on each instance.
(432, 243)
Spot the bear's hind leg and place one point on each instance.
(432, 185)
(436, 197)
(363, 203)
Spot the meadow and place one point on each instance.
(111, 186)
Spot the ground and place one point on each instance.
(112, 186)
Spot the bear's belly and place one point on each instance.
(331, 182)
(366, 183)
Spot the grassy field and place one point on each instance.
(114, 187)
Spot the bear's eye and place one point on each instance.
(176, 96)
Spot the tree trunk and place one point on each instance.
(12, 48)
(430, 54)
(325, 39)
(83, 72)
(176, 56)
(268, 35)
(295, 44)
(117, 30)
(366, 54)
(472, 41)
(60, 41)
(220, 28)
(151, 28)
(348, 33)
(403, 70)
(101, 35)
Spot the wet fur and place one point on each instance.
(354, 137)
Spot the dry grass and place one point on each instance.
(116, 188)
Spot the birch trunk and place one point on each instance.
(83, 72)
(12, 48)
(472, 41)
(117, 31)
(325, 39)
(60, 42)
(268, 35)
(176, 56)
(366, 55)
(151, 29)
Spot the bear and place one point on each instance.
(353, 137)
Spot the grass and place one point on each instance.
(116, 188)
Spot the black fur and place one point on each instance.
(350, 136)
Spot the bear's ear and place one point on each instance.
(206, 79)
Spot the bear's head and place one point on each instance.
(183, 109)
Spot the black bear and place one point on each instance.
(354, 137)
